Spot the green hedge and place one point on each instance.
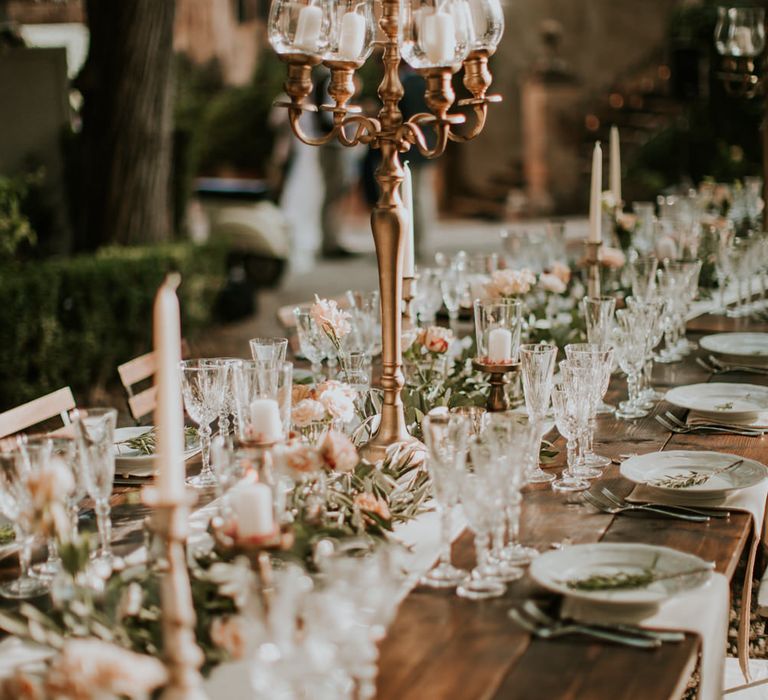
(72, 321)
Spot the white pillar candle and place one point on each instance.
(308, 27)
(439, 39)
(351, 36)
(615, 177)
(169, 411)
(252, 506)
(406, 194)
(499, 345)
(595, 215)
(266, 425)
(742, 40)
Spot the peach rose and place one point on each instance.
(301, 458)
(333, 321)
(551, 283)
(367, 502)
(306, 411)
(338, 452)
(227, 633)
(20, 686)
(299, 392)
(436, 339)
(511, 283)
(339, 401)
(561, 271)
(613, 258)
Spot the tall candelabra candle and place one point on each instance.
(464, 35)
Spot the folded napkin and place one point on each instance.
(751, 500)
(757, 420)
(681, 612)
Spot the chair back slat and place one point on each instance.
(143, 403)
(57, 403)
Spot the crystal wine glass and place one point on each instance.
(269, 350)
(537, 364)
(569, 414)
(95, 432)
(598, 318)
(630, 340)
(312, 340)
(445, 436)
(203, 389)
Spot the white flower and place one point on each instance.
(612, 257)
(510, 283)
(338, 399)
(560, 270)
(331, 319)
(338, 452)
(301, 458)
(233, 580)
(550, 282)
(306, 411)
(89, 668)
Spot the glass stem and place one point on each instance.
(482, 549)
(25, 556)
(445, 535)
(589, 436)
(513, 520)
(224, 424)
(105, 528)
(632, 389)
(570, 448)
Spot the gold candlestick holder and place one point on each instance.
(183, 657)
(592, 261)
(497, 376)
(409, 294)
(392, 135)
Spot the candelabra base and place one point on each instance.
(497, 377)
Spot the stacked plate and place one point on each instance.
(666, 472)
(133, 463)
(722, 402)
(743, 348)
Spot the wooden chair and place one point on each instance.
(58, 403)
(141, 403)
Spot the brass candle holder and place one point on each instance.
(183, 657)
(497, 376)
(392, 135)
(592, 261)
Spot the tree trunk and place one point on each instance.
(127, 87)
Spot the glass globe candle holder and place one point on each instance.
(487, 26)
(352, 32)
(436, 34)
(740, 31)
(498, 323)
(300, 28)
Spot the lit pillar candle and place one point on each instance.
(308, 27)
(406, 191)
(615, 178)
(351, 36)
(595, 233)
(169, 412)
(439, 38)
(252, 505)
(266, 425)
(499, 345)
(742, 39)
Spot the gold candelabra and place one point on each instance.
(392, 135)
(592, 261)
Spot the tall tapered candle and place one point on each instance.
(595, 233)
(615, 173)
(169, 413)
(406, 192)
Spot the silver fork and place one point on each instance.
(707, 428)
(613, 509)
(712, 513)
(535, 612)
(672, 418)
(560, 629)
(721, 367)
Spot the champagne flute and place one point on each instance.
(538, 368)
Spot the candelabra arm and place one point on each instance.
(413, 132)
(481, 112)
(366, 130)
(293, 117)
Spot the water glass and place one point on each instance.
(569, 419)
(642, 273)
(598, 317)
(445, 436)
(269, 350)
(537, 365)
(312, 341)
(255, 381)
(95, 433)
(355, 371)
(630, 338)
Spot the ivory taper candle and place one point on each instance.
(595, 214)
(406, 193)
(615, 166)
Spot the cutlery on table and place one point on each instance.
(711, 512)
(560, 629)
(672, 418)
(712, 364)
(707, 428)
(535, 612)
(612, 509)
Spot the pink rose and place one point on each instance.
(299, 392)
(551, 283)
(339, 401)
(612, 257)
(369, 503)
(307, 411)
(333, 321)
(511, 283)
(301, 458)
(561, 271)
(338, 452)
(437, 339)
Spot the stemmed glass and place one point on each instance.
(452, 285)
(480, 500)
(581, 378)
(642, 273)
(16, 505)
(227, 406)
(537, 364)
(570, 417)
(672, 290)
(598, 318)
(653, 312)
(269, 350)
(95, 432)
(312, 340)
(429, 296)
(687, 272)
(202, 387)
(630, 342)
(445, 436)
(598, 361)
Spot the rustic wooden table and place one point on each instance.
(443, 647)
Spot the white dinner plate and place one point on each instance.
(751, 348)
(649, 468)
(130, 462)
(718, 399)
(553, 571)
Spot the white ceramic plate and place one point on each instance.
(718, 399)
(648, 468)
(129, 462)
(553, 569)
(749, 348)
